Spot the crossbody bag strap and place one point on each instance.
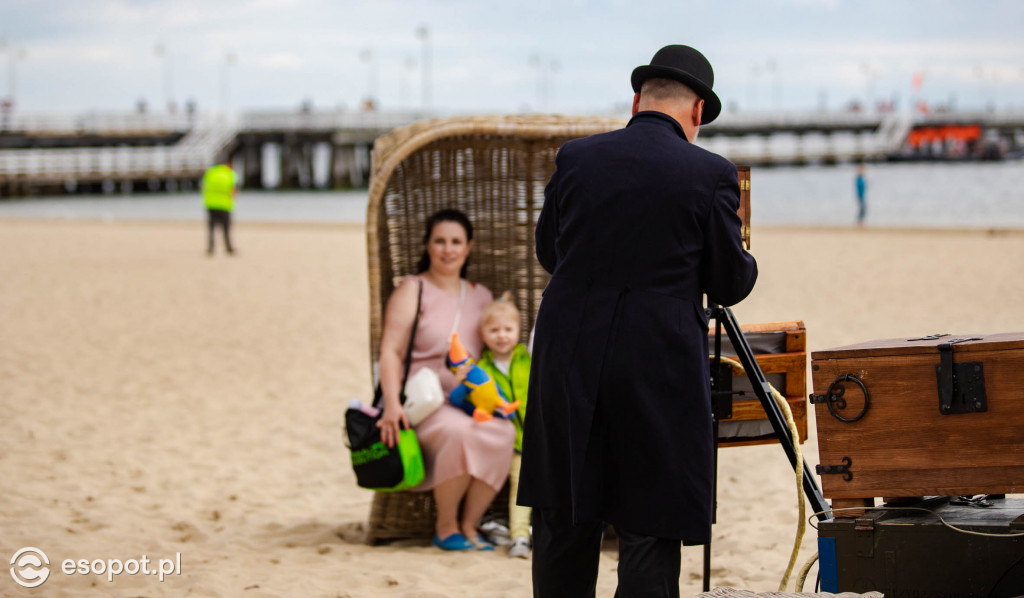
(412, 339)
(378, 394)
(458, 312)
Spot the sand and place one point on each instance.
(154, 401)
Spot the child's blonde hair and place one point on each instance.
(502, 305)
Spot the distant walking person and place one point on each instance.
(219, 188)
(862, 192)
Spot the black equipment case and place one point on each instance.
(908, 551)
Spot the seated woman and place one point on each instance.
(465, 459)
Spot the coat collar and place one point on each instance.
(658, 118)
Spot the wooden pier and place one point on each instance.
(331, 149)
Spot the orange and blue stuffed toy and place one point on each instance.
(479, 395)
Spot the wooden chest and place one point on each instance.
(941, 415)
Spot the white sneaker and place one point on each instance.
(520, 548)
(496, 533)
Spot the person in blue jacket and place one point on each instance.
(637, 226)
(862, 192)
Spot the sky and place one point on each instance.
(483, 56)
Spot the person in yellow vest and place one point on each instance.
(219, 188)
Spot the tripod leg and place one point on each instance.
(714, 435)
(714, 510)
(771, 409)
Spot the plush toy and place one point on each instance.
(479, 393)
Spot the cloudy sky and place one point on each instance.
(571, 56)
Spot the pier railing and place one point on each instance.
(103, 123)
(188, 158)
(338, 120)
(752, 138)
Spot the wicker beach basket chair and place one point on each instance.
(493, 168)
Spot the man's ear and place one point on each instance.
(698, 112)
(636, 103)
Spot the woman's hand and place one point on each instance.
(398, 320)
(391, 422)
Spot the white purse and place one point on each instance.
(423, 395)
(423, 392)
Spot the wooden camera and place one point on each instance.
(743, 174)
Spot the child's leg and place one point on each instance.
(518, 517)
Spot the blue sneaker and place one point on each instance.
(455, 541)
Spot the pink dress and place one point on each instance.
(453, 443)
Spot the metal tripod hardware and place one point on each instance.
(724, 318)
(762, 389)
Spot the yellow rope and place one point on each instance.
(799, 587)
(798, 469)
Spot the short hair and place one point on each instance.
(661, 89)
(502, 305)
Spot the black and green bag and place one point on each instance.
(376, 466)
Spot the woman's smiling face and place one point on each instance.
(448, 247)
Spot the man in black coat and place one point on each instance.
(637, 225)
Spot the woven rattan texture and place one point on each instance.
(493, 168)
(404, 515)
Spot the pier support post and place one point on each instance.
(252, 166)
(343, 171)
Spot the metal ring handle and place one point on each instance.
(834, 397)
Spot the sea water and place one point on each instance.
(980, 195)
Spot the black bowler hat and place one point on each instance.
(689, 67)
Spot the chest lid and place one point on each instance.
(925, 345)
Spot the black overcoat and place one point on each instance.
(637, 225)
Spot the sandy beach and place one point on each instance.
(154, 401)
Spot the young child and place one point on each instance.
(508, 362)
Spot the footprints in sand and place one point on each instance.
(352, 532)
(188, 532)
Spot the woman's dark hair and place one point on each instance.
(448, 215)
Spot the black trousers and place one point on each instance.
(566, 557)
(221, 218)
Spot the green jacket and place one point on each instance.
(515, 386)
(219, 188)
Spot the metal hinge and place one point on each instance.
(961, 385)
(843, 469)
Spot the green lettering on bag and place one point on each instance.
(376, 451)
